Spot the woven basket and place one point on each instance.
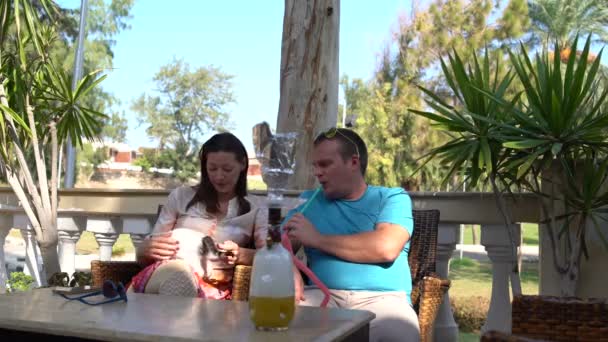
(240, 283)
(560, 318)
(117, 271)
(427, 288)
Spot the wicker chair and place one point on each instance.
(547, 318)
(427, 290)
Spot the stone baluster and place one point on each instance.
(138, 228)
(69, 230)
(106, 232)
(33, 261)
(445, 328)
(6, 222)
(495, 238)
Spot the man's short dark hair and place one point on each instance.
(350, 144)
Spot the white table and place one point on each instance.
(40, 313)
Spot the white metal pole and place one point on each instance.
(71, 150)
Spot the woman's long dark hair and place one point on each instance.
(205, 192)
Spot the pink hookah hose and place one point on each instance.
(299, 264)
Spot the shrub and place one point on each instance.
(144, 162)
(19, 281)
(118, 250)
(470, 312)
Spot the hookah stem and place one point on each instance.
(287, 244)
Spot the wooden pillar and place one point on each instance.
(309, 77)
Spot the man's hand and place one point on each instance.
(160, 247)
(300, 229)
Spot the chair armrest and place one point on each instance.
(117, 271)
(429, 295)
(240, 282)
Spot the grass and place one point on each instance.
(468, 337)
(471, 278)
(256, 184)
(529, 231)
(88, 245)
(474, 278)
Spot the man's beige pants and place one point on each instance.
(395, 319)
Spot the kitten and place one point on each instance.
(216, 270)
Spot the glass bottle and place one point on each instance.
(272, 291)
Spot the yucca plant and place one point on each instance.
(561, 127)
(474, 124)
(38, 111)
(556, 126)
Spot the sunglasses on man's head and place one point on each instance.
(111, 291)
(331, 133)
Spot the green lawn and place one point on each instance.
(88, 245)
(468, 337)
(474, 278)
(471, 278)
(529, 230)
(254, 184)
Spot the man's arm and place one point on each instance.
(383, 244)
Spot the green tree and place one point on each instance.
(397, 138)
(562, 20)
(186, 105)
(87, 159)
(115, 128)
(38, 111)
(105, 20)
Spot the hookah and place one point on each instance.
(272, 289)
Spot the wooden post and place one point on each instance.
(309, 77)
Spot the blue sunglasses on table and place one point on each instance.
(111, 291)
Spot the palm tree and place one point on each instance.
(562, 20)
(38, 111)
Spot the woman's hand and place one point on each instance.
(229, 251)
(156, 248)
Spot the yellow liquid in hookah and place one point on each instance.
(271, 312)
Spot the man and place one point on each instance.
(356, 238)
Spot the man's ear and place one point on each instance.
(356, 162)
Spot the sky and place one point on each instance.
(241, 37)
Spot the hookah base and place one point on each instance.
(271, 328)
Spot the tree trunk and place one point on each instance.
(50, 258)
(309, 77)
(569, 281)
(474, 231)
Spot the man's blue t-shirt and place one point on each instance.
(344, 217)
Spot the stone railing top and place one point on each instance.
(458, 207)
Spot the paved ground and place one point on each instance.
(478, 252)
(15, 254)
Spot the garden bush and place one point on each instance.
(470, 312)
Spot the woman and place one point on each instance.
(217, 207)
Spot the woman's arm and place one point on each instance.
(160, 246)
